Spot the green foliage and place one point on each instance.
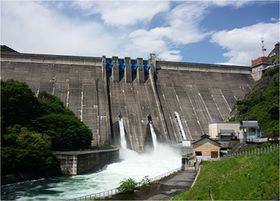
(26, 151)
(127, 186)
(263, 103)
(240, 178)
(19, 105)
(52, 104)
(130, 185)
(145, 182)
(65, 131)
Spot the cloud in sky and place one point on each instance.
(243, 43)
(112, 28)
(121, 13)
(31, 27)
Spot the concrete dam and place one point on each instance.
(179, 98)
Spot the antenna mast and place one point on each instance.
(263, 49)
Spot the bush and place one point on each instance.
(127, 186)
(145, 182)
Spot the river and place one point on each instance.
(132, 165)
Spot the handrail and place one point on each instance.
(114, 191)
(253, 151)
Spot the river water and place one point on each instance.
(132, 165)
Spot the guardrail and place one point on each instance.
(254, 151)
(114, 191)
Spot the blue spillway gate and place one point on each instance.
(122, 65)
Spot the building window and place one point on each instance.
(214, 154)
(198, 153)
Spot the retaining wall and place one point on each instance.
(78, 162)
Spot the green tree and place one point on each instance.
(52, 104)
(26, 151)
(19, 105)
(66, 132)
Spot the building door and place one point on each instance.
(214, 154)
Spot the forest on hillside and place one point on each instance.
(32, 127)
(262, 103)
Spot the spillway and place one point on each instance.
(122, 134)
(154, 136)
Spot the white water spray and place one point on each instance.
(122, 134)
(133, 165)
(154, 136)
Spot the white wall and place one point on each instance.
(214, 128)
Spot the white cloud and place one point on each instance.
(31, 27)
(234, 3)
(171, 55)
(123, 12)
(183, 28)
(244, 44)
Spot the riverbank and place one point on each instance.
(163, 189)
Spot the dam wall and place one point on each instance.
(200, 93)
(77, 81)
(102, 90)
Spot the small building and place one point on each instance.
(258, 65)
(261, 64)
(250, 130)
(206, 148)
(224, 130)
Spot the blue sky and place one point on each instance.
(213, 31)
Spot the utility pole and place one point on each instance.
(263, 49)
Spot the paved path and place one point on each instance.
(173, 185)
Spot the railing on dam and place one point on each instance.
(114, 191)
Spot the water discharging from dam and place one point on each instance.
(122, 133)
(133, 165)
(154, 136)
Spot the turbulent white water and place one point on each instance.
(154, 136)
(133, 165)
(122, 134)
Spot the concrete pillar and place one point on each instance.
(152, 63)
(103, 64)
(140, 71)
(115, 70)
(127, 70)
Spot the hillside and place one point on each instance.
(262, 103)
(241, 178)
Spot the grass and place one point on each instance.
(240, 178)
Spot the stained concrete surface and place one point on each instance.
(200, 93)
